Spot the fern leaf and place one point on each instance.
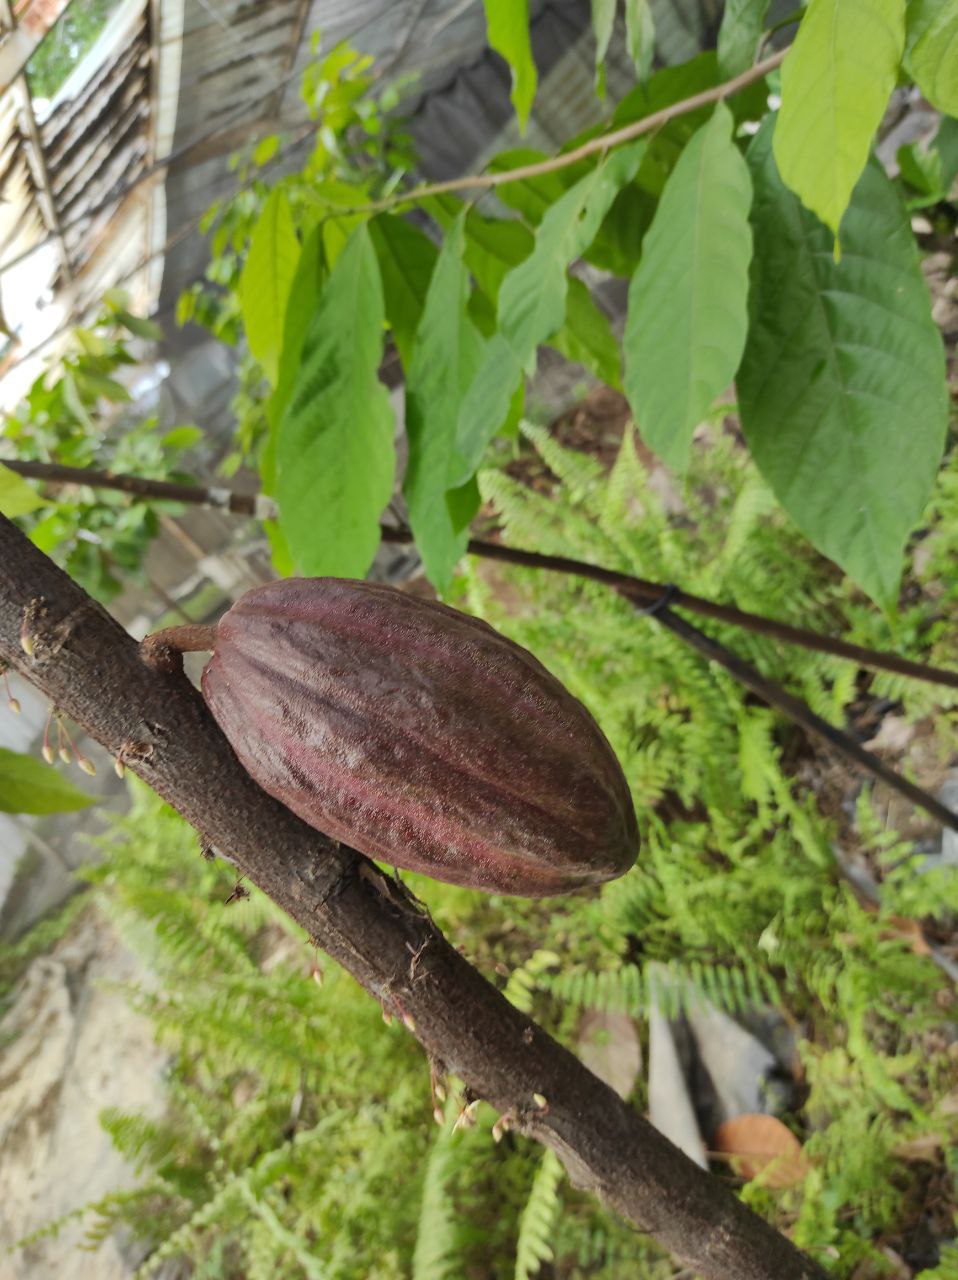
(537, 1224)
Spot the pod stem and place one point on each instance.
(163, 649)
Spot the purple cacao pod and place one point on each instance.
(419, 736)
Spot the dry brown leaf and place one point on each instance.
(909, 931)
(761, 1146)
(925, 1146)
(609, 1047)
(894, 734)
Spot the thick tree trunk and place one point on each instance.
(93, 671)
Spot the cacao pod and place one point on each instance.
(419, 736)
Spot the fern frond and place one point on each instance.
(537, 1223)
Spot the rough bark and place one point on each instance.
(93, 671)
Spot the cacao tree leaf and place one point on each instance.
(493, 245)
(138, 326)
(334, 450)
(739, 34)
(640, 35)
(603, 20)
(267, 279)
(185, 437)
(688, 300)
(447, 353)
(836, 82)
(532, 197)
(303, 299)
(587, 337)
(17, 498)
(931, 56)
(532, 301)
(27, 785)
(304, 294)
(507, 27)
(406, 262)
(842, 387)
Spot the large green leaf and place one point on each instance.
(640, 35)
(836, 82)
(17, 498)
(603, 20)
(447, 354)
(507, 25)
(532, 301)
(406, 262)
(334, 452)
(304, 295)
(27, 785)
(842, 387)
(739, 34)
(932, 51)
(266, 281)
(587, 336)
(688, 300)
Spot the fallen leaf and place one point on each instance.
(894, 734)
(910, 931)
(609, 1047)
(925, 1146)
(761, 1146)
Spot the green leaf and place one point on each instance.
(587, 337)
(447, 354)
(507, 25)
(945, 145)
(532, 197)
(27, 785)
(181, 438)
(920, 169)
(74, 402)
(304, 297)
(532, 301)
(640, 35)
(842, 387)
(138, 326)
(603, 20)
(406, 262)
(97, 385)
(265, 149)
(334, 450)
(688, 300)
(267, 279)
(739, 34)
(932, 51)
(17, 498)
(836, 82)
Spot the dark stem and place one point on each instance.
(93, 671)
(796, 710)
(639, 588)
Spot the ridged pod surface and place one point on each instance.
(419, 736)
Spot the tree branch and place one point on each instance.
(594, 146)
(93, 671)
(640, 589)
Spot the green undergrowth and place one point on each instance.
(299, 1138)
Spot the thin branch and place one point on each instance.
(595, 146)
(240, 504)
(263, 508)
(796, 710)
(85, 662)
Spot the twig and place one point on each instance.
(796, 710)
(595, 146)
(263, 508)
